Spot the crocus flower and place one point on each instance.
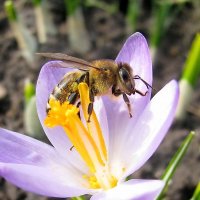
(106, 150)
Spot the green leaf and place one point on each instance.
(175, 161)
(78, 198)
(196, 195)
(71, 6)
(29, 91)
(191, 71)
(10, 10)
(37, 2)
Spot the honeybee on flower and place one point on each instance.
(107, 149)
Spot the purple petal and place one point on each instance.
(135, 52)
(21, 149)
(132, 190)
(50, 75)
(20, 155)
(151, 127)
(41, 180)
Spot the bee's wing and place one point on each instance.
(69, 61)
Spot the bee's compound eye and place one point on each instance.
(124, 74)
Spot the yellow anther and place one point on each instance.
(59, 114)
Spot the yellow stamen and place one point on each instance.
(88, 141)
(66, 116)
(93, 126)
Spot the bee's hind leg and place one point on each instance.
(90, 106)
(78, 105)
(73, 97)
(85, 78)
(79, 115)
(72, 100)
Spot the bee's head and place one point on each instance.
(125, 77)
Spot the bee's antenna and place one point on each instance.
(147, 85)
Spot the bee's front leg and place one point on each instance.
(118, 92)
(141, 93)
(126, 100)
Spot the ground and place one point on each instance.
(108, 33)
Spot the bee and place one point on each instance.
(101, 77)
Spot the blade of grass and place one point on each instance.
(190, 76)
(192, 65)
(196, 195)
(78, 198)
(175, 161)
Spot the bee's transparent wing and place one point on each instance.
(69, 61)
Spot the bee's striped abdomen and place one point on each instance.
(66, 90)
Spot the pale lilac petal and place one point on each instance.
(132, 190)
(135, 52)
(50, 75)
(21, 149)
(151, 127)
(41, 180)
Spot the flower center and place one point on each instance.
(87, 140)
